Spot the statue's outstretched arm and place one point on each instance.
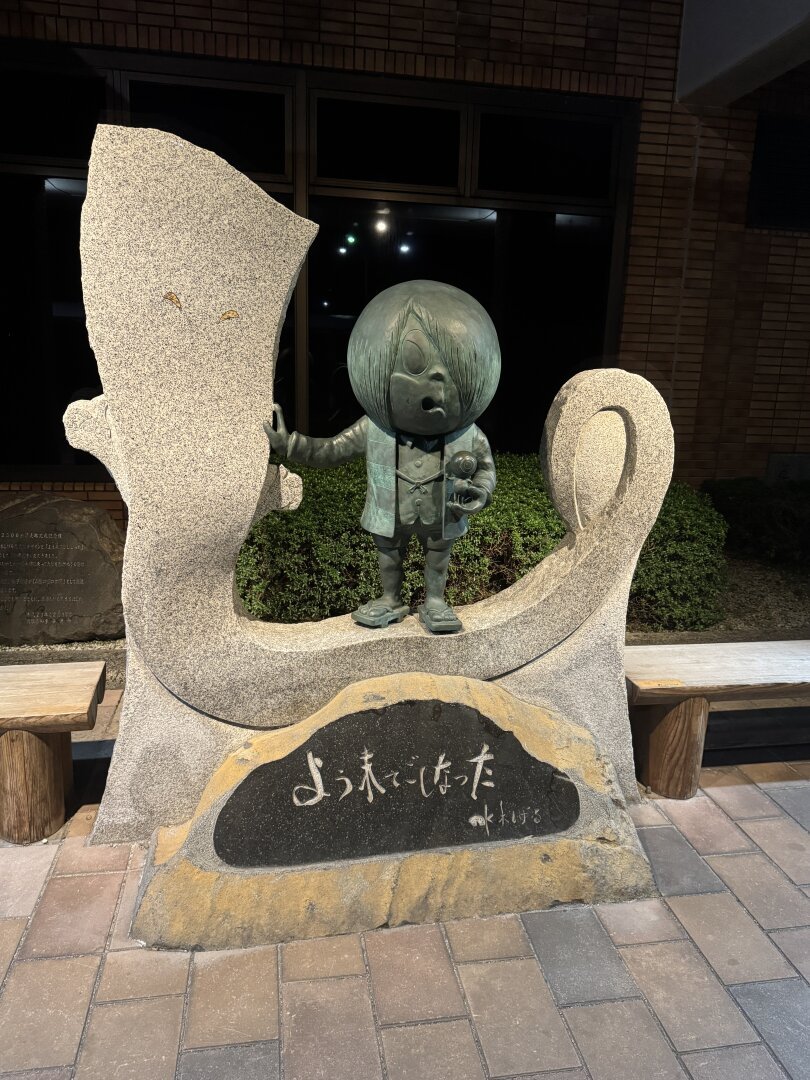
(319, 453)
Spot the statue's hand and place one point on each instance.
(277, 433)
(468, 498)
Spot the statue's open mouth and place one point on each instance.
(430, 405)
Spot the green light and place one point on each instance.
(351, 239)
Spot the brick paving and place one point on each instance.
(708, 982)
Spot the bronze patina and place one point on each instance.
(424, 363)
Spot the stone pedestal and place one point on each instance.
(406, 799)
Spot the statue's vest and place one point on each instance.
(380, 511)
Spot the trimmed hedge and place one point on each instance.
(317, 561)
(766, 521)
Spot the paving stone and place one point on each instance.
(646, 813)
(137, 973)
(11, 930)
(77, 857)
(496, 938)
(743, 1062)
(82, 822)
(52, 1074)
(578, 959)
(411, 975)
(787, 843)
(233, 997)
(781, 1013)
(42, 1011)
(705, 826)
(621, 1041)
(638, 922)
(514, 1014)
(677, 867)
(321, 958)
(137, 858)
(687, 997)
(73, 916)
(22, 874)
(256, 1061)
(419, 1050)
(736, 794)
(126, 909)
(769, 772)
(735, 946)
(794, 798)
(795, 944)
(564, 1074)
(765, 891)
(132, 1040)
(329, 1031)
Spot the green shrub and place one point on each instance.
(317, 561)
(681, 571)
(766, 521)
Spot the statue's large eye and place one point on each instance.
(413, 359)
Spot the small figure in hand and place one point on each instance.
(424, 363)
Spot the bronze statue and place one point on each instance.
(424, 363)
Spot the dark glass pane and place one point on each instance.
(545, 156)
(780, 173)
(47, 356)
(393, 144)
(49, 115)
(542, 277)
(245, 127)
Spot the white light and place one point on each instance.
(341, 251)
(381, 226)
(325, 303)
(404, 248)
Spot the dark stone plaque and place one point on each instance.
(410, 776)
(60, 571)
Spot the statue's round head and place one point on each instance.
(424, 358)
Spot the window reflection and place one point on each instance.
(543, 280)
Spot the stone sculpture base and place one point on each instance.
(519, 811)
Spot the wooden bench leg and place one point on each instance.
(668, 743)
(32, 786)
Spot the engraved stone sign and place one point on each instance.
(414, 775)
(60, 571)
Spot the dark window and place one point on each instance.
(48, 115)
(542, 277)
(545, 156)
(45, 347)
(393, 144)
(244, 127)
(780, 173)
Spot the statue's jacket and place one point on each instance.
(386, 494)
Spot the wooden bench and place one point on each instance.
(40, 704)
(670, 689)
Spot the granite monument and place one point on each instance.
(187, 271)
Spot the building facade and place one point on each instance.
(531, 151)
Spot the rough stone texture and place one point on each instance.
(192, 899)
(60, 571)
(172, 239)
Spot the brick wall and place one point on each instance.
(716, 314)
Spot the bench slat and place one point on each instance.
(717, 672)
(51, 697)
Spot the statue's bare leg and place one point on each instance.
(387, 608)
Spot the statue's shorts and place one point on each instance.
(430, 537)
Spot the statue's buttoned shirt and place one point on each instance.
(420, 481)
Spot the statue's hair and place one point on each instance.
(452, 320)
